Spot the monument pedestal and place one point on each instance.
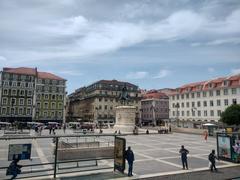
(125, 118)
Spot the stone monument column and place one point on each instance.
(125, 118)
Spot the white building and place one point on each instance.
(194, 104)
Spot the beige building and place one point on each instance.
(194, 104)
(97, 101)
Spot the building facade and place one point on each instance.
(97, 101)
(154, 108)
(23, 95)
(197, 103)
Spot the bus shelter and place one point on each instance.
(228, 146)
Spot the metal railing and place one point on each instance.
(51, 144)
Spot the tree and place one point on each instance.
(231, 115)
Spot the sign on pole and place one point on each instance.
(119, 154)
(19, 151)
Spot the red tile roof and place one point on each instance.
(31, 71)
(21, 70)
(45, 75)
(154, 95)
(234, 81)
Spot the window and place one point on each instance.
(198, 94)
(21, 101)
(45, 114)
(53, 97)
(210, 93)
(234, 91)
(188, 113)
(173, 97)
(187, 96)
(173, 113)
(53, 105)
(218, 102)
(182, 105)
(211, 113)
(46, 96)
(219, 112)
(4, 101)
(39, 96)
(205, 103)
(226, 102)
(14, 84)
(6, 83)
(225, 91)
(187, 104)
(28, 111)
(173, 105)
(99, 99)
(205, 113)
(204, 94)
(182, 113)
(14, 92)
(199, 113)
(193, 113)
(60, 97)
(218, 92)
(193, 95)
(4, 110)
(38, 104)
(182, 96)
(52, 114)
(13, 101)
(22, 84)
(193, 104)
(29, 93)
(211, 103)
(105, 107)
(5, 92)
(46, 105)
(199, 104)
(106, 99)
(100, 107)
(234, 101)
(177, 96)
(29, 102)
(22, 93)
(59, 114)
(59, 105)
(12, 111)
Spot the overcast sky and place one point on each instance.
(151, 43)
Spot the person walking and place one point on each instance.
(184, 152)
(211, 158)
(205, 135)
(64, 128)
(14, 168)
(129, 155)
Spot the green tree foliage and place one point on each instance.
(231, 115)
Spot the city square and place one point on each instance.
(130, 89)
(155, 154)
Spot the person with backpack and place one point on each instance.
(211, 158)
(184, 152)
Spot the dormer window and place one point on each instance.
(210, 85)
(225, 83)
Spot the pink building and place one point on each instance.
(154, 108)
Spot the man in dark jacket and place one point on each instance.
(130, 158)
(184, 153)
(211, 158)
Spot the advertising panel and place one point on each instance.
(119, 154)
(20, 151)
(224, 147)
